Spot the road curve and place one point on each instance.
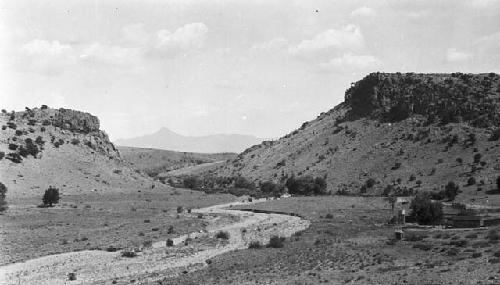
(101, 267)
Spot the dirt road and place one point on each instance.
(101, 267)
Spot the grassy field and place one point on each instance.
(99, 221)
(349, 242)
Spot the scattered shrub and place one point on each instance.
(180, 209)
(476, 254)
(129, 253)
(477, 157)
(19, 133)
(170, 242)
(471, 181)
(276, 242)
(14, 157)
(254, 245)
(495, 135)
(46, 123)
(71, 276)
(51, 196)
(13, 146)
(493, 235)
(75, 141)
(460, 160)
(2, 155)
(222, 235)
(3, 192)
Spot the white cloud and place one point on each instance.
(363, 12)
(110, 54)
(47, 57)
(481, 4)
(347, 38)
(187, 37)
(351, 62)
(272, 45)
(453, 55)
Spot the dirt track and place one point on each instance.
(100, 267)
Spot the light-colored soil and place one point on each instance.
(99, 267)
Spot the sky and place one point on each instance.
(258, 67)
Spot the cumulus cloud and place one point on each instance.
(453, 55)
(110, 54)
(190, 36)
(347, 38)
(52, 57)
(272, 45)
(47, 57)
(351, 62)
(363, 12)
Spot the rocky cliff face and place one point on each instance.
(445, 98)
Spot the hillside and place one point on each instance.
(411, 131)
(154, 161)
(169, 140)
(63, 148)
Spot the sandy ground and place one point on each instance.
(100, 267)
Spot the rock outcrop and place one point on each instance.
(447, 98)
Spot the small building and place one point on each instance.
(467, 221)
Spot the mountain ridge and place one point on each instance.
(167, 139)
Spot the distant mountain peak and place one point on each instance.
(167, 139)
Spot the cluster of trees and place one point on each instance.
(306, 185)
(425, 211)
(239, 185)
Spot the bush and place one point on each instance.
(14, 157)
(170, 242)
(75, 141)
(71, 276)
(51, 196)
(3, 192)
(276, 242)
(370, 183)
(498, 183)
(306, 185)
(451, 190)
(129, 253)
(222, 235)
(493, 235)
(477, 157)
(13, 146)
(495, 135)
(424, 211)
(180, 209)
(471, 181)
(2, 155)
(254, 245)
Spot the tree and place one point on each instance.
(451, 191)
(425, 211)
(3, 191)
(242, 182)
(191, 182)
(51, 196)
(306, 185)
(268, 187)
